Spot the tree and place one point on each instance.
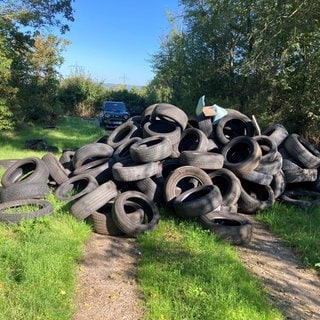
(42, 79)
(257, 56)
(37, 13)
(81, 95)
(21, 23)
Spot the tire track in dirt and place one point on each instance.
(292, 288)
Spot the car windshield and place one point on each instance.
(115, 106)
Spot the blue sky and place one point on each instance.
(113, 40)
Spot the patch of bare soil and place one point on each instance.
(292, 288)
(108, 289)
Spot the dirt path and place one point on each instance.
(292, 288)
(108, 289)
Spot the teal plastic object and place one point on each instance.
(220, 112)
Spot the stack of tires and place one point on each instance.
(214, 173)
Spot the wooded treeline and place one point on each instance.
(260, 57)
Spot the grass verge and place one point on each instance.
(38, 265)
(186, 273)
(298, 228)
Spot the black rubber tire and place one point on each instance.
(201, 159)
(228, 184)
(32, 190)
(258, 177)
(66, 160)
(122, 152)
(193, 139)
(268, 148)
(92, 201)
(56, 170)
(241, 155)
(6, 163)
(197, 201)
(303, 151)
(124, 223)
(146, 114)
(233, 228)
(234, 124)
(277, 132)
(166, 167)
(212, 146)
(300, 175)
(255, 197)
(171, 112)
(182, 179)
(131, 171)
(163, 128)
(151, 149)
(205, 124)
(44, 208)
(152, 188)
(79, 185)
(123, 134)
(100, 169)
(278, 184)
(230, 209)
(270, 167)
(290, 164)
(27, 170)
(103, 139)
(316, 184)
(299, 198)
(91, 152)
(102, 221)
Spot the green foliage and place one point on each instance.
(258, 57)
(29, 58)
(38, 95)
(134, 98)
(6, 116)
(81, 95)
(37, 13)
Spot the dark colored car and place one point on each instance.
(113, 114)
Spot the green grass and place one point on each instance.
(186, 273)
(298, 228)
(38, 258)
(71, 132)
(38, 265)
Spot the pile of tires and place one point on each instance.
(214, 173)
